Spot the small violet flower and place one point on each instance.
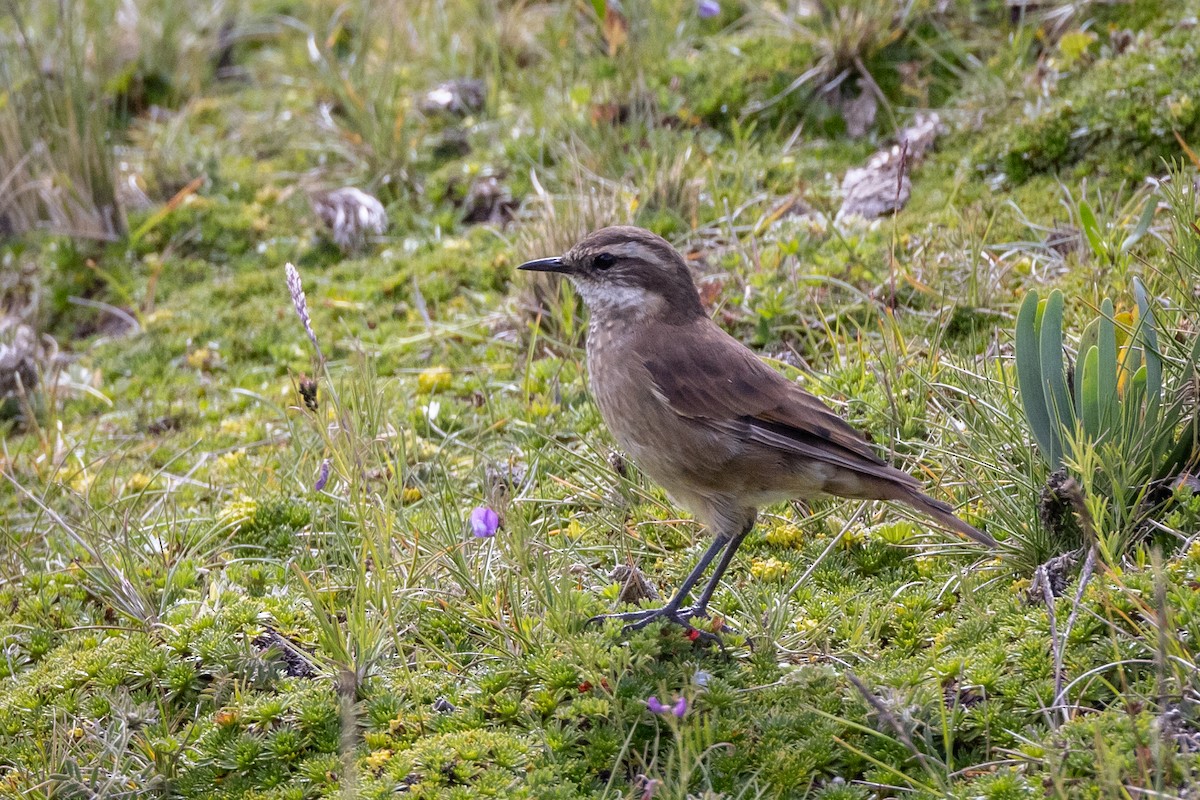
(707, 9)
(322, 476)
(484, 522)
(656, 706)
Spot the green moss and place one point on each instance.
(478, 674)
(1119, 118)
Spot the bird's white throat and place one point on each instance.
(615, 298)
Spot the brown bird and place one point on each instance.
(699, 412)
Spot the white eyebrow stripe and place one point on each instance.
(634, 250)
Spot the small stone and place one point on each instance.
(635, 588)
(296, 663)
(488, 201)
(882, 186)
(351, 215)
(20, 353)
(859, 113)
(459, 96)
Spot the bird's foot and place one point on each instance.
(636, 620)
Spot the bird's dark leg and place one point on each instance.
(671, 611)
(701, 607)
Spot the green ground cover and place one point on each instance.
(214, 583)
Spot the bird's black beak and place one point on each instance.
(546, 265)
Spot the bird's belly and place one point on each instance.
(689, 458)
(669, 448)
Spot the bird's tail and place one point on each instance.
(944, 514)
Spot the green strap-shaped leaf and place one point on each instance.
(1089, 409)
(1054, 373)
(1131, 361)
(1086, 341)
(1148, 335)
(1029, 379)
(1106, 377)
(1134, 434)
(1091, 229)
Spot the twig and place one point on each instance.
(887, 716)
(1041, 580)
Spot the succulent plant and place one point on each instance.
(1122, 396)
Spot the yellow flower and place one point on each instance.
(234, 426)
(237, 512)
(574, 530)
(411, 494)
(376, 760)
(769, 569)
(1193, 551)
(540, 408)
(205, 359)
(137, 482)
(785, 536)
(853, 538)
(434, 379)
(230, 462)
(82, 483)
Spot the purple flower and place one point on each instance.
(484, 522)
(322, 476)
(707, 9)
(656, 706)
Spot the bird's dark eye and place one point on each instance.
(604, 261)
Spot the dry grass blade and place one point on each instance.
(54, 132)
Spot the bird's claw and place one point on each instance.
(636, 620)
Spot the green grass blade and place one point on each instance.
(1135, 434)
(1029, 378)
(1143, 225)
(1054, 373)
(1186, 452)
(1171, 453)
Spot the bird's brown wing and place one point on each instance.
(704, 373)
(714, 378)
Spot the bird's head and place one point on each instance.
(627, 271)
